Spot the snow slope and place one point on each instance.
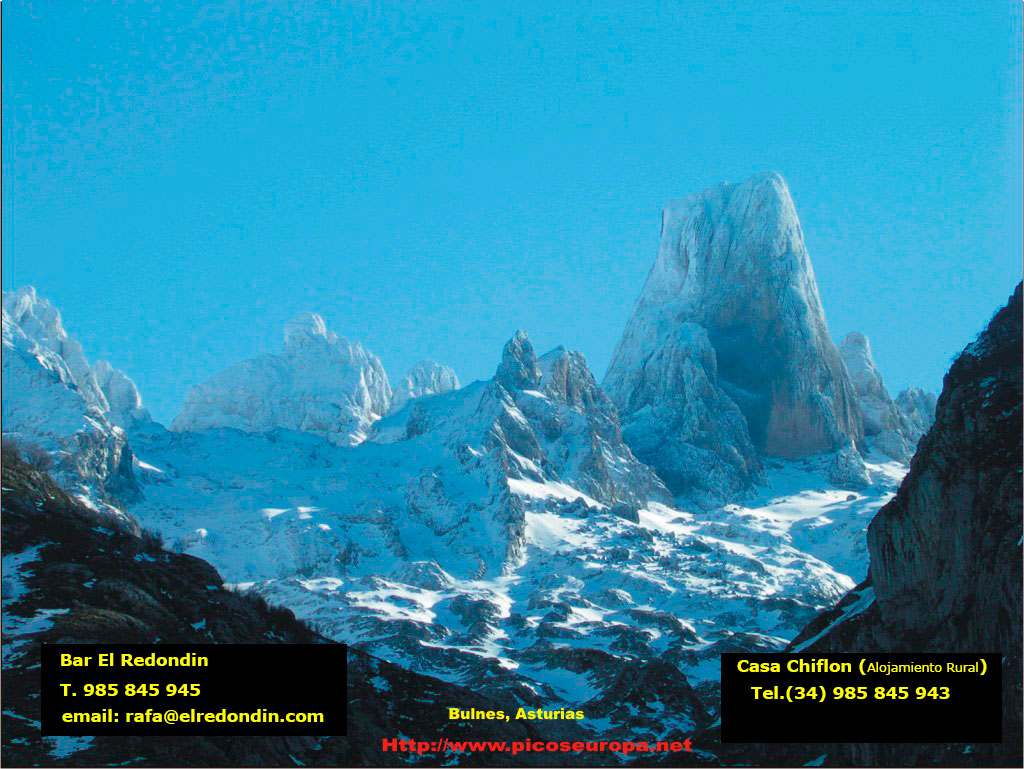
(503, 536)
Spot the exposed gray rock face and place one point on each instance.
(518, 368)
(945, 572)
(918, 409)
(732, 264)
(681, 422)
(425, 378)
(885, 425)
(53, 397)
(322, 384)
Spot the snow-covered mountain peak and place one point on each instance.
(518, 369)
(53, 397)
(124, 402)
(40, 321)
(918, 407)
(855, 350)
(425, 378)
(35, 316)
(103, 387)
(321, 383)
(758, 213)
(305, 329)
(731, 263)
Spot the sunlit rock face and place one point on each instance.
(321, 383)
(55, 401)
(732, 267)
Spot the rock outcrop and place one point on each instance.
(53, 398)
(321, 384)
(945, 573)
(918, 409)
(732, 269)
(888, 427)
(425, 378)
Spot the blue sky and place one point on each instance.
(180, 180)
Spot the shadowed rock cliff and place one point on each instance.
(945, 572)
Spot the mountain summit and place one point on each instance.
(425, 378)
(730, 319)
(53, 398)
(322, 384)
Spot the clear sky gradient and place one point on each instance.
(180, 180)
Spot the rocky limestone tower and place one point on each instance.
(322, 384)
(732, 265)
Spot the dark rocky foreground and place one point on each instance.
(114, 583)
(946, 552)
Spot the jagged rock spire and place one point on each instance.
(518, 369)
